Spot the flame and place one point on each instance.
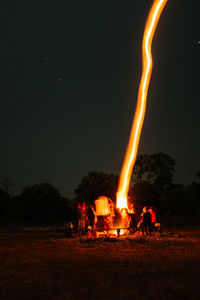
(132, 148)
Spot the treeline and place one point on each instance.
(39, 203)
(151, 184)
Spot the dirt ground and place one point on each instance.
(39, 263)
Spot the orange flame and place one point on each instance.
(132, 148)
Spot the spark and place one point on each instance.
(132, 148)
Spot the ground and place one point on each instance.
(39, 263)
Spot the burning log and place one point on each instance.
(107, 222)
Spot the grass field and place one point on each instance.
(39, 263)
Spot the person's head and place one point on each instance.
(144, 209)
(152, 208)
(124, 210)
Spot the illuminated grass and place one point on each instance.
(44, 265)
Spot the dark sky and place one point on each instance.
(69, 74)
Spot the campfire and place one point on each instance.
(108, 219)
(104, 219)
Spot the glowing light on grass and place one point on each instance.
(132, 148)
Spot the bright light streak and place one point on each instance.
(132, 148)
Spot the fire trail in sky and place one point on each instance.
(132, 148)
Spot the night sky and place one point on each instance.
(70, 72)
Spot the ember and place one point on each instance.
(132, 148)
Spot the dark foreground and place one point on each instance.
(38, 263)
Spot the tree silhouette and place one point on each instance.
(144, 194)
(96, 184)
(182, 200)
(157, 169)
(40, 202)
(4, 200)
(6, 185)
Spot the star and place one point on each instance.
(45, 59)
